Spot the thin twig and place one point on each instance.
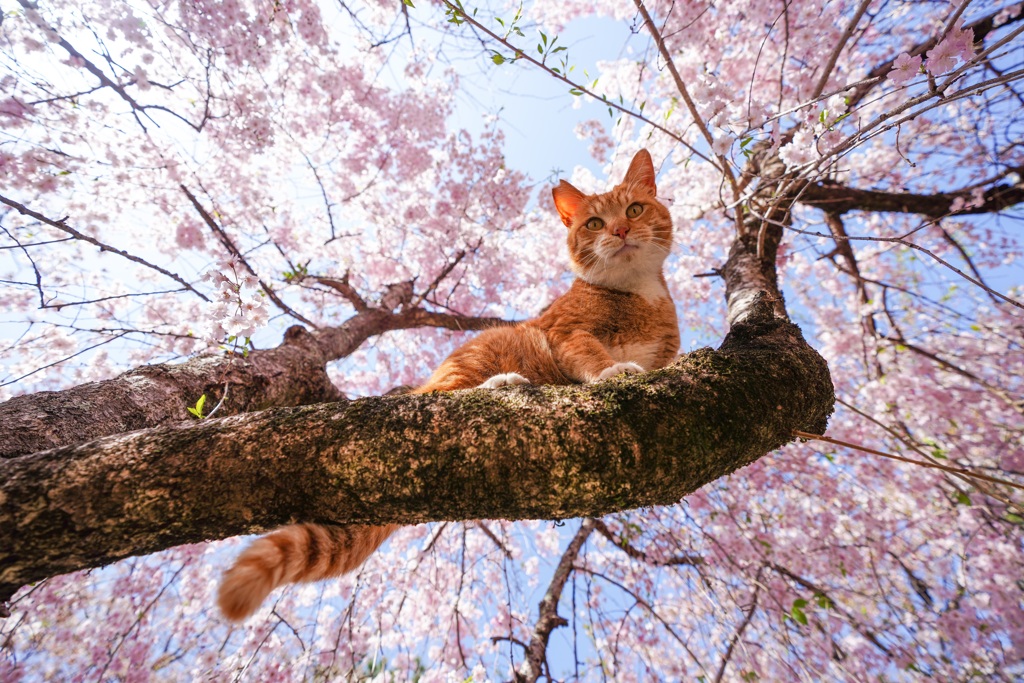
(233, 250)
(523, 54)
(64, 227)
(900, 240)
(834, 57)
(921, 463)
(685, 94)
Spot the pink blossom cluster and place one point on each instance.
(240, 306)
(320, 145)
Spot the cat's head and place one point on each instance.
(620, 238)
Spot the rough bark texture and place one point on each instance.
(524, 452)
(291, 374)
(527, 452)
(153, 395)
(750, 275)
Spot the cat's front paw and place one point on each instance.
(507, 379)
(627, 368)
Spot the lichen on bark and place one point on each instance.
(514, 453)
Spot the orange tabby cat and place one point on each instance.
(616, 318)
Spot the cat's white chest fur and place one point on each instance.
(651, 289)
(641, 353)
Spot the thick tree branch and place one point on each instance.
(529, 452)
(152, 395)
(291, 374)
(840, 199)
(750, 274)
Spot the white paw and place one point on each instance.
(506, 380)
(619, 369)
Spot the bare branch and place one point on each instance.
(920, 463)
(233, 250)
(742, 627)
(840, 199)
(547, 618)
(637, 554)
(838, 49)
(64, 227)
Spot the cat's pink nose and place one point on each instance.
(621, 230)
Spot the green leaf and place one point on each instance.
(408, 3)
(497, 58)
(543, 37)
(198, 409)
(1014, 519)
(575, 91)
(560, 48)
(962, 498)
(799, 616)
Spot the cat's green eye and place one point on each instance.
(634, 210)
(595, 224)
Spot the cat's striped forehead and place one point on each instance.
(617, 199)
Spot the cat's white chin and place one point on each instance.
(637, 270)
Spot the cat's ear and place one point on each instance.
(641, 172)
(567, 200)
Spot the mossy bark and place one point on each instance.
(291, 374)
(525, 452)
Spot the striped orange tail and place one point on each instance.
(292, 554)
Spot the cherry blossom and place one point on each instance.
(905, 68)
(269, 165)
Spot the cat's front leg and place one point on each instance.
(507, 379)
(582, 357)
